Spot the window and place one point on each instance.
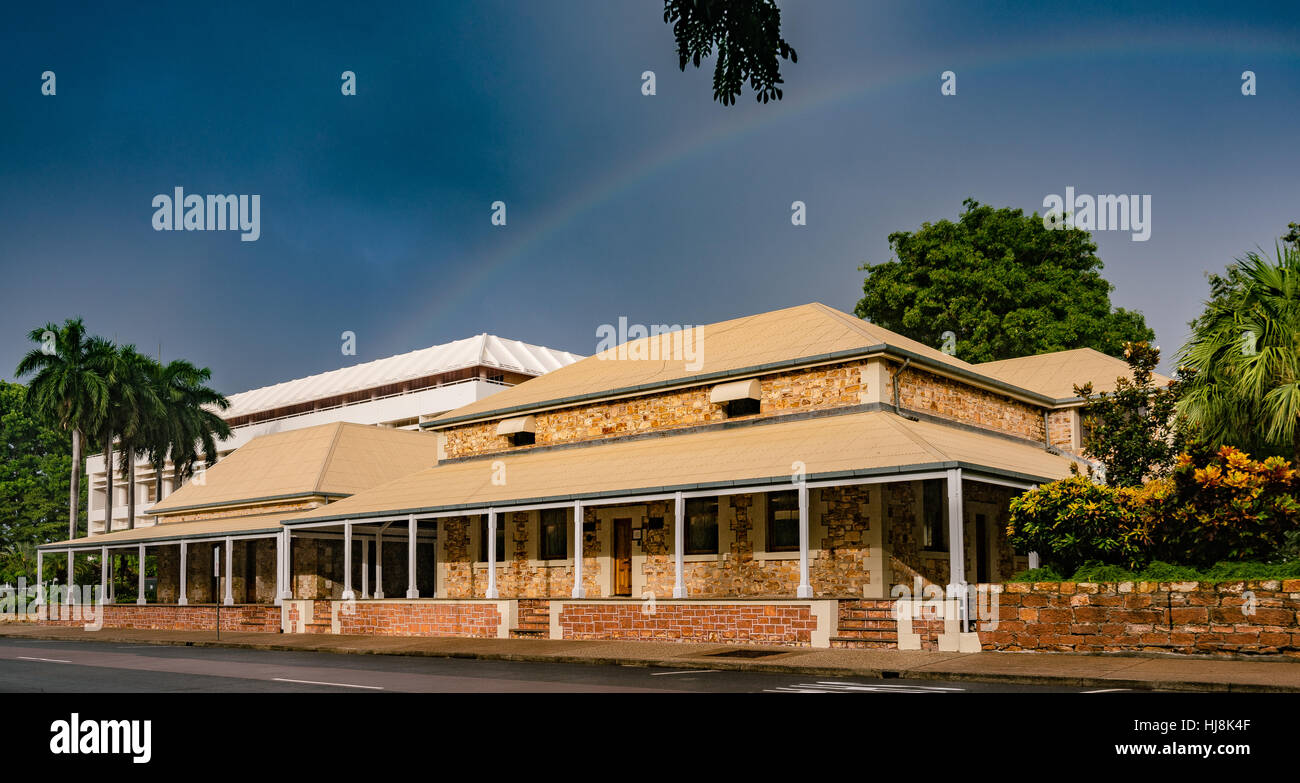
(552, 542)
(483, 539)
(522, 438)
(783, 521)
(702, 526)
(934, 515)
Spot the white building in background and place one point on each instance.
(399, 392)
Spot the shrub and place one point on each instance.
(1159, 571)
(1101, 572)
(1226, 508)
(1042, 574)
(1074, 521)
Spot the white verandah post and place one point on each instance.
(956, 531)
(379, 561)
(805, 589)
(229, 599)
(286, 553)
(279, 569)
(40, 580)
(103, 573)
(492, 553)
(72, 579)
(183, 599)
(679, 545)
(348, 594)
(139, 577)
(579, 591)
(411, 526)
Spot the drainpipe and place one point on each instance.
(894, 382)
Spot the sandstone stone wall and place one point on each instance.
(831, 386)
(929, 393)
(1061, 426)
(1180, 617)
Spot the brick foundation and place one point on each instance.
(483, 619)
(248, 618)
(795, 623)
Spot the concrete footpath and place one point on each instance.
(1168, 673)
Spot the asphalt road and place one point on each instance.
(36, 666)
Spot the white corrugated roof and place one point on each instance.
(484, 349)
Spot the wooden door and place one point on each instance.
(623, 557)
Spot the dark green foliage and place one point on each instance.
(1131, 430)
(1243, 359)
(747, 37)
(1041, 574)
(35, 466)
(1075, 521)
(1003, 283)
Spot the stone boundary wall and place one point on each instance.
(245, 618)
(430, 617)
(806, 623)
(1178, 617)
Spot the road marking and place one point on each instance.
(853, 687)
(335, 684)
(43, 660)
(885, 685)
(693, 671)
(1109, 690)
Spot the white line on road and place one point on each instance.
(693, 671)
(44, 660)
(335, 684)
(1109, 690)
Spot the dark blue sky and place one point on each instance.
(375, 213)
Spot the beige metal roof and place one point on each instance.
(330, 459)
(1056, 374)
(484, 349)
(876, 441)
(764, 339)
(177, 530)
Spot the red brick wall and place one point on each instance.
(755, 623)
(421, 619)
(1182, 617)
(260, 618)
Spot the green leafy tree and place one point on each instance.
(35, 471)
(1133, 431)
(1005, 284)
(68, 390)
(1243, 359)
(747, 37)
(1292, 236)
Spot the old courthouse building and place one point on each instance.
(765, 479)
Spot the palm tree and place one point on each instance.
(188, 424)
(137, 406)
(1244, 357)
(67, 390)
